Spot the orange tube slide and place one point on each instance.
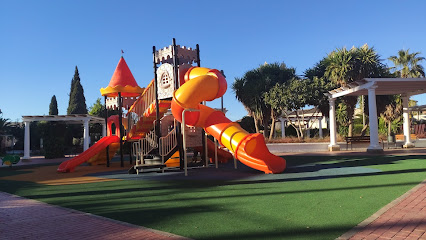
(204, 84)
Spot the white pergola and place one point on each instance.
(407, 87)
(84, 119)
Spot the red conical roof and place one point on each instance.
(122, 81)
(122, 75)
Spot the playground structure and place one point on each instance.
(159, 139)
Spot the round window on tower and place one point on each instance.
(165, 80)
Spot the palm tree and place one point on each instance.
(346, 66)
(340, 69)
(393, 112)
(250, 90)
(407, 64)
(367, 63)
(4, 124)
(339, 65)
(246, 95)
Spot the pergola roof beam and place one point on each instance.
(74, 118)
(340, 93)
(385, 86)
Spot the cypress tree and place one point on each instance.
(53, 107)
(77, 101)
(53, 134)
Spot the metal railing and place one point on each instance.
(141, 105)
(136, 150)
(149, 142)
(144, 146)
(168, 143)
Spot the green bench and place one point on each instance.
(9, 160)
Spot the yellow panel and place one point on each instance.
(174, 160)
(232, 136)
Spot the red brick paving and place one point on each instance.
(22, 218)
(404, 218)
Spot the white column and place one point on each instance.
(103, 130)
(86, 135)
(282, 127)
(406, 126)
(333, 132)
(374, 126)
(321, 135)
(308, 129)
(27, 140)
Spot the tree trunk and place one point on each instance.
(364, 130)
(293, 125)
(265, 126)
(256, 124)
(271, 133)
(299, 123)
(389, 128)
(351, 128)
(350, 102)
(297, 130)
(302, 136)
(363, 110)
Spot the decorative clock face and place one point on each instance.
(165, 81)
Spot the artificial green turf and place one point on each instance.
(319, 208)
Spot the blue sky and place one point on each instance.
(42, 41)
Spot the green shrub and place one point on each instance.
(53, 139)
(357, 129)
(343, 131)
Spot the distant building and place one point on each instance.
(310, 118)
(7, 141)
(419, 113)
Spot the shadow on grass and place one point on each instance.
(295, 162)
(168, 185)
(242, 176)
(308, 233)
(170, 191)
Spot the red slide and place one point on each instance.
(69, 165)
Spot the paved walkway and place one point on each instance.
(22, 218)
(404, 218)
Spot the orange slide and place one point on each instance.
(69, 165)
(204, 84)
